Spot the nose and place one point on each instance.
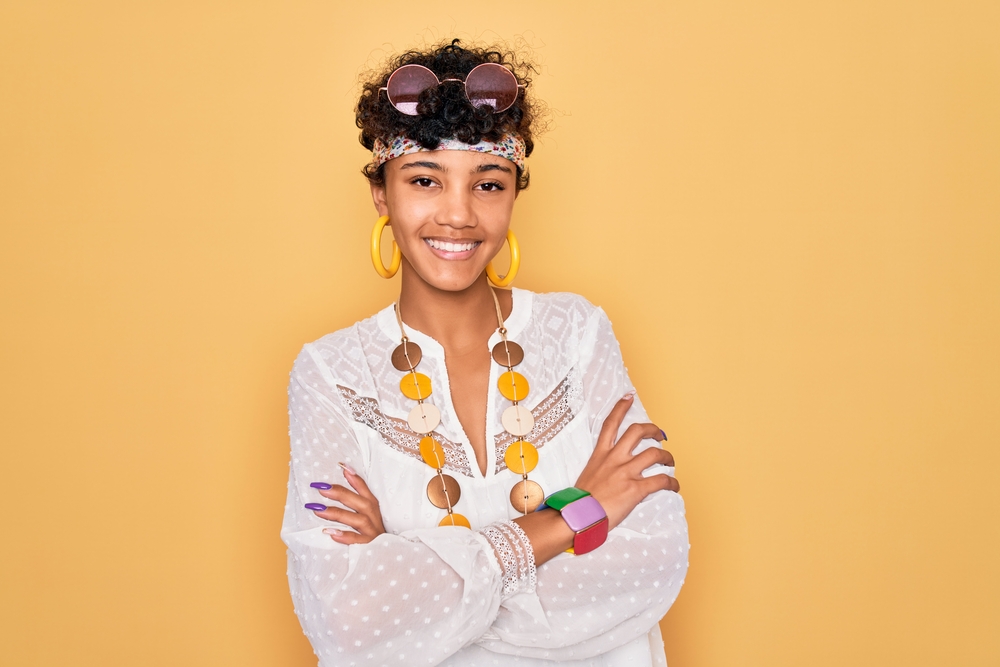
(456, 209)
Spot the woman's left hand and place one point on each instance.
(363, 513)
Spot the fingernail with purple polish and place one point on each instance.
(664, 435)
(347, 467)
(315, 507)
(333, 531)
(321, 485)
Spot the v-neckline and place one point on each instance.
(514, 323)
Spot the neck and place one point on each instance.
(459, 320)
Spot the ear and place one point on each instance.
(379, 199)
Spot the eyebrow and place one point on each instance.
(427, 164)
(493, 167)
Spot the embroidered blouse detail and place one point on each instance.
(452, 596)
(397, 433)
(517, 558)
(551, 416)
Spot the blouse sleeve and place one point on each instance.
(413, 598)
(587, 605)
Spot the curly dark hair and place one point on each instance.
(445, 112)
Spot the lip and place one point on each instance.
(452, 255)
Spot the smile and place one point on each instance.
(448, 246)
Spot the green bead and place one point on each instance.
(560, 499)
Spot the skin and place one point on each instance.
(466, 197)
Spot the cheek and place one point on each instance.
(497, 240)
(415, 206)
(406, 219)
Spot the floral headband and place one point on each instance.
(510, 147)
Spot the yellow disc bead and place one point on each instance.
(521, 457)
(455, 519)
(513, 386)
(432, 452)
(415, 386)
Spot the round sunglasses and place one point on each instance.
(488, 84)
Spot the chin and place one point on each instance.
(451, 282)
(454, 285)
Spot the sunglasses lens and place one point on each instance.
(493, 85)
(405, 86)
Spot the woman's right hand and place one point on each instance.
(362, 511)
(613, 476)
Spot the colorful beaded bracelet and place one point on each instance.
(583, 514)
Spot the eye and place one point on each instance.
(423, 182)
(490, 186)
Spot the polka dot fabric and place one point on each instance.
(425, 595)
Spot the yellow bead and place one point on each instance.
(415, 386)
(513, 386)
(521, 457)
(455, 519)
(432, 452)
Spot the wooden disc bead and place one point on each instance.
(508, 353)
(526, 496)
(442, 489)
(400, 354)
(455, 519)
(424, 418)
(513, 386)
(415, 385)
(518, 420)
(432, 452)
(521, 457)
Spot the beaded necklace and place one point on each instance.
(520, 456)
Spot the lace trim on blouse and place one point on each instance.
(551, 415)
(397, 433)
(517, 558)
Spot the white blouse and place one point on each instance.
(423, 594)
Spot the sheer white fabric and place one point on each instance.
(428, 595)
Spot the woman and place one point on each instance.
(448, 451)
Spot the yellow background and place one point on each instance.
(789, 210)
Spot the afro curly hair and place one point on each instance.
(444, 112)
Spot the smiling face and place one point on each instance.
(449, 212)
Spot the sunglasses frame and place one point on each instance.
(464, 83)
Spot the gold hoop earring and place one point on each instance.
(515, 264)
(397, 256)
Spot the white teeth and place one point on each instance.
(447, 246)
